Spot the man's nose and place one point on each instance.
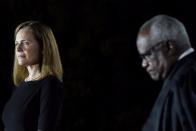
(144, 63)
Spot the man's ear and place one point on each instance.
(170, 48)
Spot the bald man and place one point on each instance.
(167, 55)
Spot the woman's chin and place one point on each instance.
(21, 63)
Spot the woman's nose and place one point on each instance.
(19, 47)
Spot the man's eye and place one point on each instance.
(148, 54)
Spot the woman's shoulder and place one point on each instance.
(52, 81)
(51, 78)
(51, 87)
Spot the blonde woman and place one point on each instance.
(37, 75)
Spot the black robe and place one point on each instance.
(175, 107)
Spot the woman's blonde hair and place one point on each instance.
(50, 61)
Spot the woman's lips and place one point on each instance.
(21, 56)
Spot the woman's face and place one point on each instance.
(27, 48)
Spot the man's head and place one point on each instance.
(160, 42)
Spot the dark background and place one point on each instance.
(106, 88)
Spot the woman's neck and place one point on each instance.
(34, 72)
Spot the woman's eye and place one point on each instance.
(26, 43)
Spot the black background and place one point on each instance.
(106, 88)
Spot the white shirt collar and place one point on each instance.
(185, 53)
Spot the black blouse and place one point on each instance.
(34, 106)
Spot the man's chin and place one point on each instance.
(154, 77)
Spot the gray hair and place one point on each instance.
(163, 27)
